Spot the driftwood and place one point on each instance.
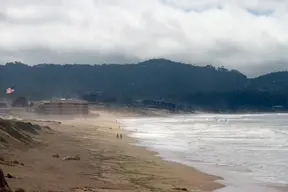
(75, 158)
(56, 155)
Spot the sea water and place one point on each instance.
(249, 151)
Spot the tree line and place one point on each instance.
(205, 87)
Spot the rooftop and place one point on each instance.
(72, 101)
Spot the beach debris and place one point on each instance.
(19, 190)
(16, 162)
(54, 191)
(83, 189)
(56, 155)
(180, 189)
(4, 187)
(75, 158)
(10, 176)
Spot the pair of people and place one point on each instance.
(119, 136)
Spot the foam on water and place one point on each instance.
(252, 149)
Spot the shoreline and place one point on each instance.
(115, 165)
(228, 179)
(133, 143)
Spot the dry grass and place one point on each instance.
(12, 131)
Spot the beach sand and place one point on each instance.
(106, 164)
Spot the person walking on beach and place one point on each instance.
(121, 136)
(4, 187)
(117, 136)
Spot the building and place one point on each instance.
(278, 108)
(4, 107)
(62, 107)
(160, 104)
(4, 104)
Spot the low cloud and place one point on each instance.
(243, 35)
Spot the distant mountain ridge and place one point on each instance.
(155, 78)
(272, 82)
(152, 78)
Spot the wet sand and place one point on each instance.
(106, 164)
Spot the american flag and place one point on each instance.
(10, 90)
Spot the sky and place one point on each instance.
(248, 35)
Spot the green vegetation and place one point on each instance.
(17, 131)
(185, 85)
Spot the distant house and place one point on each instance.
(159, 104)
(278, 108)
(63, 107)
(4, 107)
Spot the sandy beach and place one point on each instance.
(106, 163)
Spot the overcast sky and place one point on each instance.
(248, 35)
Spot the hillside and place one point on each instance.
(153, 78)
(203, 87)
(272, 82)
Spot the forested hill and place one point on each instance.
(272, 82)
(149, 79)
(152, 79)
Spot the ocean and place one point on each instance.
(249, 151)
